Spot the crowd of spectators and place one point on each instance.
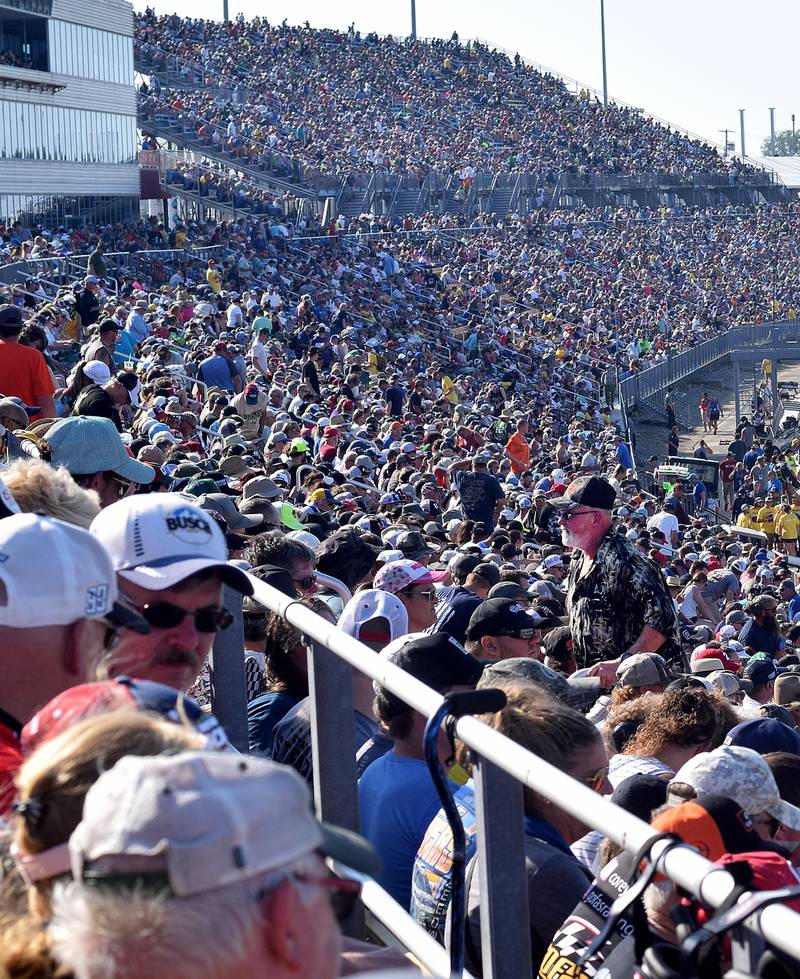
(409, 426)
(277, 409)
(322, 102)
(604, 288)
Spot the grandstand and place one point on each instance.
(316, 116)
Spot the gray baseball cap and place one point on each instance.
(192, 823)
(740, 774)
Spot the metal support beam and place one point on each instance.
(333, 746)
(330, 690)
(413, 20)
(773, 378)
(603, 47)
(738, 414)
(741, 133)
(772, 131)
(505, 927)
(228, 686)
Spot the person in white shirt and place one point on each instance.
(234, 315)
(258, 351)
(665, 521)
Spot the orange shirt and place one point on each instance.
(519, 453)
(23, 373)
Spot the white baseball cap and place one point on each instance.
(372, 603)
(553, 561)
(75, 580)
(199, 818)
(305, 537)
(157, 540)
(97, 371)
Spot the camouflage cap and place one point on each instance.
(740, 774)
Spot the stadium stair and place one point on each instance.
(167, 128)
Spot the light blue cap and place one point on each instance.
(85, 445)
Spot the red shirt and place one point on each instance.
(23, 373)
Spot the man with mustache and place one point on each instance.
(171, 563)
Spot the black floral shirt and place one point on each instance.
(609, 606)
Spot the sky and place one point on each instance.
(694, 63)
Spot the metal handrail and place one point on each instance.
(685, 866)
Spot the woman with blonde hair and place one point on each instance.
(54, 780)
(51, 491)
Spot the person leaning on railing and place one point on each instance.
(556, 880)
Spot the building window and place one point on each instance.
(23, 41)
(47, 132)
(85, 52)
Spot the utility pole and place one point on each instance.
(225, 12)
(603, 47)
(772, 130)
(413, 20)
(725, 131)
(741, 133)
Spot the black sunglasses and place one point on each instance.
(165, 615)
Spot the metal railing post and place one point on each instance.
(228, 686)
(333, 749)
(505, 924)
(330, 689)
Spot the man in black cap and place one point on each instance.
(502, 629)
(472, 580)
(617, 599)
(105, 400)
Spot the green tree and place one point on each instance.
(787, 143)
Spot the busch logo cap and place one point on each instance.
(159, 539)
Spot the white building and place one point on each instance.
(67, 111)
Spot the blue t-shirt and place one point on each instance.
(397, 800)
(699, 492)
(263, 713)
(123, 347)
(623, 456)
(215, 372)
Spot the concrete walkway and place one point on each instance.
(725, 429)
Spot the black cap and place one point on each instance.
(760, 671)
(509, 589)
(641, 794)
(463, 564)
(279, 578)
(488, 570)
(558, 643)
(500, 617)
(439, 661)
(10, 318)
(588, 491)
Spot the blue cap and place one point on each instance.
(764, 734)
(84, 445)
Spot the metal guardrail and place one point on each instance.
(753, 337)
(501, 768)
